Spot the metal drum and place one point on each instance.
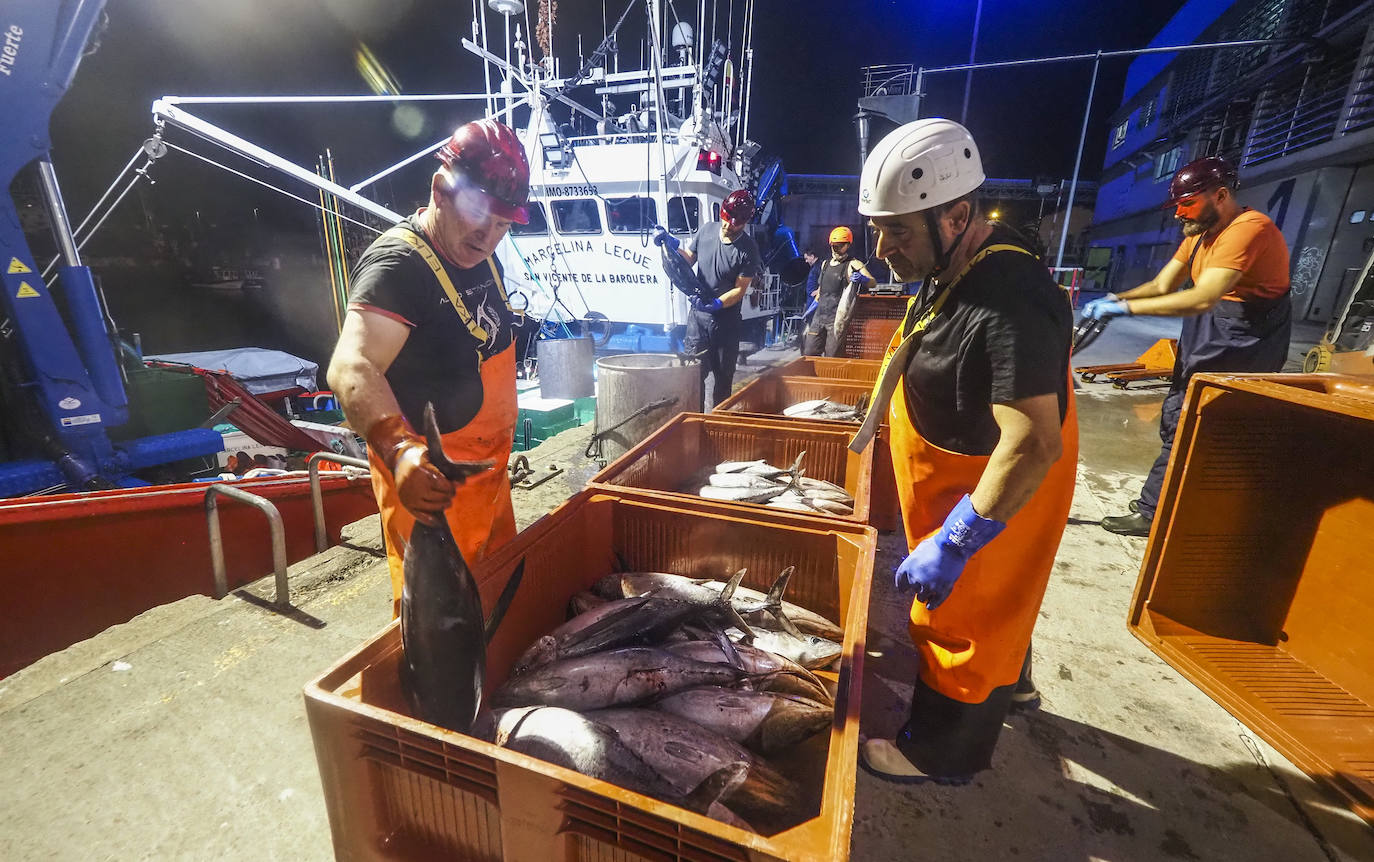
(565, 367)
(637, 393)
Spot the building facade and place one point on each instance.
(1296, 117)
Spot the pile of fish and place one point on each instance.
(779, 487)
(819, 408)
(679, 689)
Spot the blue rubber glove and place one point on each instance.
(938, 561)
(856, 277)
(1106, 308)
(711, 307)
(662, 237)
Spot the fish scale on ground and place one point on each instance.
(675, 715)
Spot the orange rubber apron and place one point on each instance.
(481, 515)
(977, 639)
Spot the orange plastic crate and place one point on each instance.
(858, 370)
(399, 788)
(688, 445)
(768, 395)
(870, 329)
(1255, 583)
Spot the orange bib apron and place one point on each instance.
(480, 515)
(977, 639)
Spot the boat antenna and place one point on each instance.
(601, 50)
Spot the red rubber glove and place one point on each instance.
(422, 489)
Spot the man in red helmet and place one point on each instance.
(727, 260)
(840, 278)
(1229, 280)
(428, 322)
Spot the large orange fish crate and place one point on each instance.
(679, 454)
(399, 788)
(1256, 580)
(870, 329)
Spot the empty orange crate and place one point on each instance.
(769, 394)
(684, 449)
(858, 370)
(399, 788)
(870, 329)
(1256, 581)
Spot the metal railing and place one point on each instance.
(274, 522)
(317, 497)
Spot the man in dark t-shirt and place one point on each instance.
(984, 446)
(428, 323)
(727, 261)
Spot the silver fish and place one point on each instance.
(738, 466)
(742, 480)
(618, 677)
(710, 593)
(740, 495)
(834, 507)
(575, 742)
(805, 621)
(685, 752)
(642, 620)
(764, 721)
(805, 407)
(809, 651)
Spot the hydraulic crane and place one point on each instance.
(61, 384)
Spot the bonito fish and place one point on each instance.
(619, 677)
(764, 721)
(443, 634)
(771, 671)
(684, 752)
(575, 742)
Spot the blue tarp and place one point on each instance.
(258, 369)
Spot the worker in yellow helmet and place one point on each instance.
(839, 281)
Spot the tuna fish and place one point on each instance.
(640, 620)
(713, 595)
(619, 677)
(809, 651)
(443, 633)
(770, 671)
(686, 753)
(820, 408)
(764, 721)
(757, 607)
(740, 466)
(743, 480)
(573, 741)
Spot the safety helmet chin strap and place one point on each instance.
(943, 255)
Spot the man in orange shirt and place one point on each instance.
(1237, 306)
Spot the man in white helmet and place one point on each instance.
(984, 439)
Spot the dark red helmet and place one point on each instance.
(489, 155)
(738, 206)
(1201, 176)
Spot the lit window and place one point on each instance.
(631, 215)
(1119, 134)
(579, 215)
(538, 224)
(1167, 162)
(1357, 216)
(684, 215)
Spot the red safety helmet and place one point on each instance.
(738, 206)
(841, 234)
(1200, 176)
(489, 156)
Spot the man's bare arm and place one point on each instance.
(1029, 445)
(367, 346)
(1170, 278)
(1211, 286)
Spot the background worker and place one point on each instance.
(984, 445)
(838, 274)
(727, 261)
(1238, 312)
(428, 322)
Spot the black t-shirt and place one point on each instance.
(1003, 335)
(441, 359)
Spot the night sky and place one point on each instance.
(807, 61)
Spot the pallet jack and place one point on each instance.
(1157, 363)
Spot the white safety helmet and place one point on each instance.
(920, 165)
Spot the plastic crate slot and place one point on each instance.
(434, 818)
(1284, 684)
(608, 822)
(474, 774)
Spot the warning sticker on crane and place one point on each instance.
(25, 291)
(17, 266)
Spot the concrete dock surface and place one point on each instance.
(182, 734)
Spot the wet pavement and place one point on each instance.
(182, 735)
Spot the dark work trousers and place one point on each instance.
(714, 339)
(1234, 337)
(947, 738)
(817, 334)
